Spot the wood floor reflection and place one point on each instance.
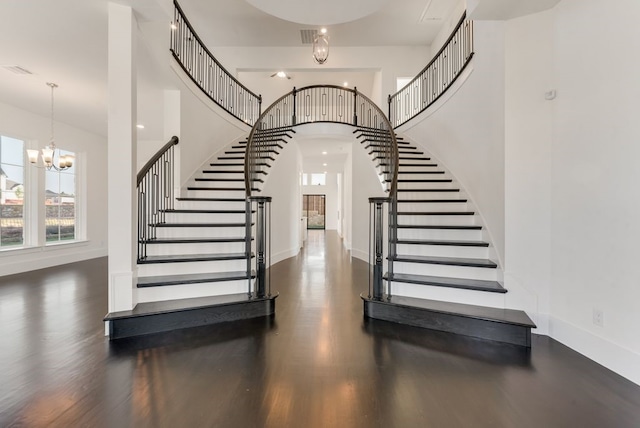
(317, 363)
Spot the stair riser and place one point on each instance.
(215, 194)
(443, 251)
(421, 207)
(424, 166)
(200, 248)
(209, 205)
(191, 267)
(220, 165)
(423, 185)
(446, 270)
(439, 220)
(223, 175)
(199, 232)
(444, 294)
(187, 291)
(440, 234)
(204, 218)
(429, 195)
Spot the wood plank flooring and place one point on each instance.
(317, 363)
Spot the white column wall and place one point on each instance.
(121, 159)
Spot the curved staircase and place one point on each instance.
(442, 274)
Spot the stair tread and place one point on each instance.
(431, 201)
(435, 226)
(436, 213)
(442, 242)
(191, 278)
(197, 211)
(504, 316)
(177, 258)
(213, 199)
(193, 240)
(178, 305)
(198, 225)
(423, 180)
(451, 261)
(226, 189)
(441, 281)
(428, 190)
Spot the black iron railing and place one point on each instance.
(436, 77)
(321, 103)
(155, 194)
(210, 76)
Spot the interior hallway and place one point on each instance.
(316, 364)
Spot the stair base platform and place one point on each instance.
(157, 317)
(500, 325)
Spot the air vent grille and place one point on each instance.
(16, 69)
(307, 36)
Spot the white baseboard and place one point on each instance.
(359, 254)
(29, 259)
(619, 359)
(283, 255)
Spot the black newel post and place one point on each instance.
(389, 101)
(293, 118)
(377, 248)
(259, 105)
(261, 243)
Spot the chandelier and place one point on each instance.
(321, 47)
(49, 152)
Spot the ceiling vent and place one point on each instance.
(307, 36)
(16, 69)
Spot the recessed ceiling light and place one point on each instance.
(140, 126)
(324, 153)
(324, 164)
(323, 30)
(346, 84)
(281, 74)
(174, 26)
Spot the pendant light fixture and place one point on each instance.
(321, 47)
(49, 152)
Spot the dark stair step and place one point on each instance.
(214, 164)
(192, 278)
(431, 201)
(442, 243)
(424, 180)
(417, 172)
(222, 189)
(441, 281)
(236, 180)
(213, 199)
(221, 171)
(202, 211)
(406, 158)
(373, 145)
(449, 261)
(435, 213)
(193, 240)
(157, 317)
(186, 258)
(262, 145)
(438, 227)
(263, 149)
(401, 164)
(242, 157)
(428, 190)
(501, 325)
(198, 225)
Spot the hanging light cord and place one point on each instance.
(52, 144)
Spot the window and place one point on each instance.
(11, 192)
(318, 179)
(60, 203)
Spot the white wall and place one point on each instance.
(466, 133)
(330, 190)
(390, 61)
(91, 153)
(283, 185)
(583, 249)
(365, 184)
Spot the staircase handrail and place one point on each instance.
(436, 77)
(155, 186)
(208, 74)
(348, 106)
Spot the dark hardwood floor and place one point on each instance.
(318, 363)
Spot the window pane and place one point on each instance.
(318, 179)
(67, 185)
(11, 192)
(60, 203)
(52, 185)
(11, 151)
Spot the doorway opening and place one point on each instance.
(313, 207)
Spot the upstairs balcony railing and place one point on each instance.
(316, 104)
(433, 81)
(210, 76)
